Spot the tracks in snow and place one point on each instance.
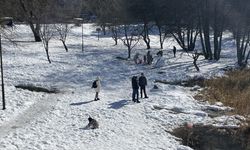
(29, 115)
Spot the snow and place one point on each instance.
(40, 121)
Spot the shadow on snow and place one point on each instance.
(118, 104)
(81, 103)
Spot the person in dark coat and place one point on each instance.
(135, 87)
(174, 50)
(93, 124)
(160, 53)
(149, 58)
(143, 84)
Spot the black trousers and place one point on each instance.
(135, 95)
(143, 90)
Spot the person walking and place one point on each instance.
(143, 84)
(97, 87)
(135, 87)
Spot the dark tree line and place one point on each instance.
(46, 18)
(184, 20)
(37, 12)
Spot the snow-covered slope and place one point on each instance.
(40, 121)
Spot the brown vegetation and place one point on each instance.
(210, 137)
(232, 90)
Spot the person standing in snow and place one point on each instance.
(135, 87)
(97, 87)
(149, 58)
(143, 84)
(174, 50)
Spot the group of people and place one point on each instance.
(145, 59)
(136, 83)
(148, 58)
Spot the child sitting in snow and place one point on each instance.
(93, 124)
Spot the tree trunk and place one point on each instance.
(203, 45)
(216, 45)
(195, 58)
(160, 35)
(116, 41)
(246, 60)
(146, 35)
(47, 51)
(65, 46)
(220, 44)
(207, 41)
(239, 51)
(206, 31)
(195, 65)
(129, 52)
(115, 35)
(35, 31)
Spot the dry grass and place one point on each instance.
(232, 90)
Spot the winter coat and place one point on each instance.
(160, 53)
(93, 124)
(135, 83)
(142, 81)
(149, 58)
(98, 83)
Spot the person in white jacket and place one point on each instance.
(97, 88)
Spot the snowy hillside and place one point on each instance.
(40, 121)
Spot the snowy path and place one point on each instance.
(28, 115)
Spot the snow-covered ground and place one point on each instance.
(40, 121)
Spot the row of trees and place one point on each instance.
(184, 20)
(37, 12)
(47, 18)
(132, 20)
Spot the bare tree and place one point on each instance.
(131, 37)
(114, 30)
(47, 32)
(195, 57)
(162, 17)
(63, 31)
(32, 14)
(240, 26)
(184, 24)
(212, 22)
